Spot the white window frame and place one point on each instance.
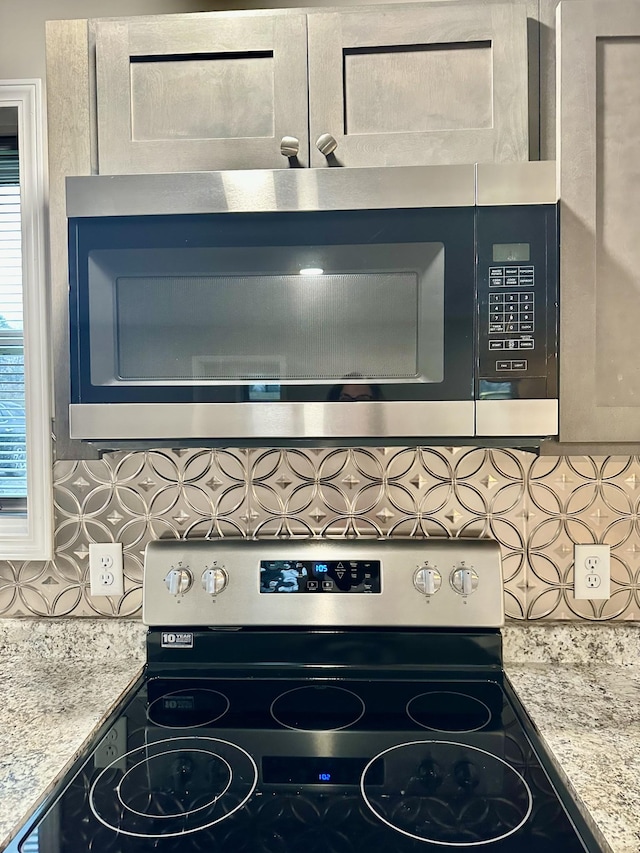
(30, 536)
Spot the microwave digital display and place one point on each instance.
(505, 252)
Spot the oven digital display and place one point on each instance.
(320, 576)
(314, 770)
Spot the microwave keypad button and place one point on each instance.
(526, 271)
(519, 365)
(512, 297)
(526, 327)
(495, 318)
(511, 281)
(511, 271)
(526, 281)
(496, 327)
(503, 365)
(512, 327)
(496, 299)
(512, 344)
(496, 272)
(526, 298)
(526, 316)
(496, 282)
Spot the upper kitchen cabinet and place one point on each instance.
(386, 85)
(192, 92)
(599, 161)
(420, 84)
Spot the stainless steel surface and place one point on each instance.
(265, 421)
(289, 146)
(516, 417)
(398, 604)
(273, 190)
(323, 189)
(326, 144)
(516, 183)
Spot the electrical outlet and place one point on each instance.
(591, 572)
(106, 569)
(112, 748)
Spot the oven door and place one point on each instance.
(308, 325)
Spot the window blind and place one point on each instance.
(13, 479)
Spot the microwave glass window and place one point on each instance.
(263, 316)
(505, 252)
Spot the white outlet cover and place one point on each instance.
(97, 571)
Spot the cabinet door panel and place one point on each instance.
(599, 146)
(197, 93)
(425, 84)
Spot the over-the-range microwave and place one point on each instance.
(315, 306)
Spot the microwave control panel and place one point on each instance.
(517, 289)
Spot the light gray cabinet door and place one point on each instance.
(599, 161)
(412, 85)
(198, 92)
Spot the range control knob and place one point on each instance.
(214, 580)
(178, 581)
(427, 579)
(464, 580)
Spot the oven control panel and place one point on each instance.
(320, 577)
(323, 582)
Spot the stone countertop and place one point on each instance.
(53, 697)
(580, 684)
(589, 717)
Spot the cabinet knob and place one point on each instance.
(290, 146)
(326, 144)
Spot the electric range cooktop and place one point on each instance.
(317, 697)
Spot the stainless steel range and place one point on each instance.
(317, 695)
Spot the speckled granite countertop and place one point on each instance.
(53, 697)
(580, 684)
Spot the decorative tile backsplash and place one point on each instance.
(537, 508)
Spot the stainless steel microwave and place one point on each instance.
(395, 305)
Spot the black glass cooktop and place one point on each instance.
(322, 765)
